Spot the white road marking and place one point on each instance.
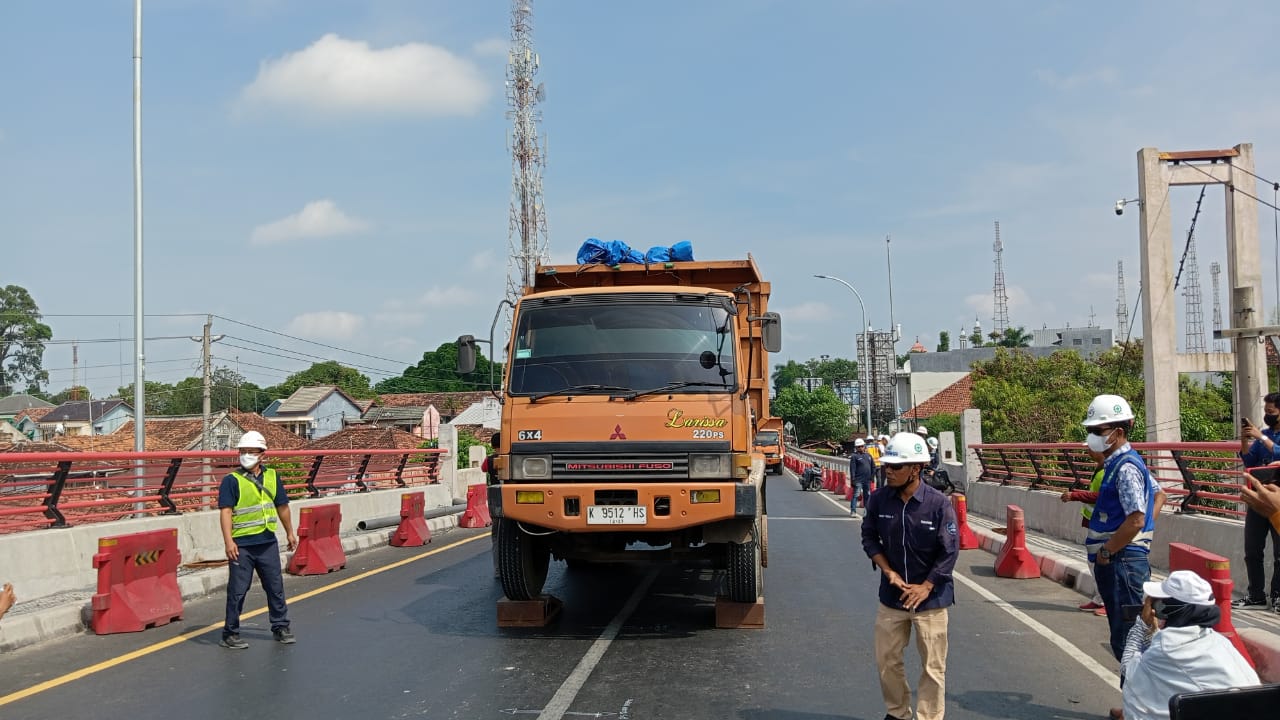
(558, 707)
(1063, 644)
(1043, 631)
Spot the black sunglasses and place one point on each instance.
(1099, 430)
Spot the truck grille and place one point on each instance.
(619, 468)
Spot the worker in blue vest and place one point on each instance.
(1123, 520)
(252, 503)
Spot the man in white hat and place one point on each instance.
(252, 502)
(861, 468)
(1186, 655)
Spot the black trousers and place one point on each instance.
(264, 559)
(1256, 530)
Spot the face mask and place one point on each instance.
(1270, 420)
(1098, 443)
(249, 460)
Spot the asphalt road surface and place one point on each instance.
(408, 633)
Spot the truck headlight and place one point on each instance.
(531, 467)
(712, 466)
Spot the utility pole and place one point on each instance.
(205, 341)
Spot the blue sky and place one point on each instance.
(338, 171)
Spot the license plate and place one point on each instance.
(616, 515)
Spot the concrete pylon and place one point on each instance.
(1157, 171)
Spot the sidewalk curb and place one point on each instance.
(1263, 646)
(28, 629)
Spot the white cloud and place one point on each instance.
(1023, 311)
(491, 47)
(438, 297)
(336, 75)
(485, 260)
(1106, 76)
(318, 219)
(810, 312)
(328, 325)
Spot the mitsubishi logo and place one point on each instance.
(617, 433)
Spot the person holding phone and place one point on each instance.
(1259, 447)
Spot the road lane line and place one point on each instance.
(163, 644)
(1043, 631)
(560, 702)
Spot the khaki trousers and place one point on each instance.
(893, 630)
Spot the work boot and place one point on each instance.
(284, 636)
(233, 642)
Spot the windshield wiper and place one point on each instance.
(575, 388)
(675, 386)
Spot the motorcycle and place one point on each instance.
(811, 478)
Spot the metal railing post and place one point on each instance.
(1031, 455)
(56, 485)
(167, 486)
(364, 466)
(1008, 470)
(404, 460)
(312, 491)
(1188, 480)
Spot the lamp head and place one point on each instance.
(1120, 207)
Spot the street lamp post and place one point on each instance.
(866, 367)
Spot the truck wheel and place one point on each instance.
(745, 576)
(522, 561)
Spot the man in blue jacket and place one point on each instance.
(1259, 447)
(910, 534)
(861, 468)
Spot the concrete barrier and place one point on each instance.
(41, 563)
(1045, 513)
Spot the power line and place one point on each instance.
(313, 342)
(389, 373)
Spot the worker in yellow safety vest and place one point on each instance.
(252, 504)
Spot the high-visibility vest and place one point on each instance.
(255, 511)
(1086, 509)
(874, 452)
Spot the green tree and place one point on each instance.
(78, 392)
(1014, 338)
(944, 341)
(158, 397)
(975, 339)
(817, 415)
(228, 390)
(437, 372)
(788, 374)
(329, 372)
(22, 338)
(834, 370)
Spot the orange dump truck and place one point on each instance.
(630, 401)
(768, 442)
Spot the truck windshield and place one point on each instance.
(766, 438)
(610, 344)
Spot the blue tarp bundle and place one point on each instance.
(613, 252)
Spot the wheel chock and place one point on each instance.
(528, 613)
(732, 615)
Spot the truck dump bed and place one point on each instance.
(718, 274)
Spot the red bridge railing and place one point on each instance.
(1200, 477)
(43, 490)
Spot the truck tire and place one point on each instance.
(744, 575)
(522, 561)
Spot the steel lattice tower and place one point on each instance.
(1001, 319)
(1122, 303)
(527, 234)
(1214, 271)
(1195, 314)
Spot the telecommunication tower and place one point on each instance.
(1001, 319)
(1195, 315)
(1215, 270)
(527, 234)
(1122, 304)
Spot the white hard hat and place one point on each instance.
(252, 439)
(933, 443)
(905, 448)
(1182, 585)
(922, 430)
(1107, 409)
(884, 437)
(859, 443)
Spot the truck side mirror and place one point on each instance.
(466, 354)
(771, 331)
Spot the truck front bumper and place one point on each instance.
(668, 506)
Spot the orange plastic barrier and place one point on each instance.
(1015, 560)
(413, 530)
(848, 488)
(1216, 570)
(137, 582)
(319, 545)
(968, 540)
(477, 513)
(842, 483)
